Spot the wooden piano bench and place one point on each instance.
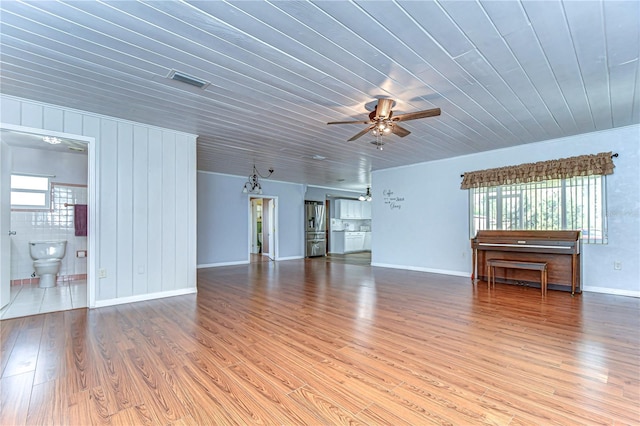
(492, 264)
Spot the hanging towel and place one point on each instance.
(80, 219)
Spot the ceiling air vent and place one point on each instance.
(184, 78)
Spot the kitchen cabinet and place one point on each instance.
(349, 242)
(337, 209)
(351, 209)
(367, 241)
(353, 241)
(344, 209)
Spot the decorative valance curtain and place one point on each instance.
(564, 168)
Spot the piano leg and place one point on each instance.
(574, 268)
(474, 261)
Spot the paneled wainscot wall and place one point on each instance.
(142, 198)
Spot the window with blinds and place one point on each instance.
(557, 204)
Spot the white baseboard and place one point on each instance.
(290, 258)
(605, 290)
(617, 292)
(242, 262)
(215, 265)
(144, 297)
(421, 269)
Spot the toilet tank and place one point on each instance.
(51, 249)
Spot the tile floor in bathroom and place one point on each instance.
(29, 299)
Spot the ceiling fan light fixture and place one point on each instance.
(377, 143)
(383, 121)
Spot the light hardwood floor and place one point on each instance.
(315, 342)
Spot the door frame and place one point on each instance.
(92, 183)
(255, 202)
(5, 225)
(273, 225)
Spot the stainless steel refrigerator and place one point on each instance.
(315, 229)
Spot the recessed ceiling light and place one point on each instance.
(319, 157)
(52, 140)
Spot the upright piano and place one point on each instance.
(559, 249)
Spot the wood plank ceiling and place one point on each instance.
(504, 73)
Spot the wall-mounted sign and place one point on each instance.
(392, 200)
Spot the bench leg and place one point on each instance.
(546, 281)
(488, 277)
(543, 282)
(491, 276)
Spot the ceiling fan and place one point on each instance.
(382, 121)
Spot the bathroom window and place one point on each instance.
(30, 192)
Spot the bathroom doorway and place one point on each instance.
(68, 167)
(262, 236)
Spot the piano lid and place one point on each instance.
(567, 242)
(515, 236)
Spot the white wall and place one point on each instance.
(428, 228)
(145, 199)
(67, 167)
(223, 219)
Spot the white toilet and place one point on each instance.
(47, 258)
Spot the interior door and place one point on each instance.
(266, 226)
(5, 224)
(271, 229)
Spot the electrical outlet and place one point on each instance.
(617, 265)
(102, 273)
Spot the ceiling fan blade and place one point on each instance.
(362, 133)
(399, 131)
(418, 114)
(349, 122)
(383, 109)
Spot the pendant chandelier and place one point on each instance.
(252, 185)
(365, 197)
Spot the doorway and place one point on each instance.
(23, 151)
(263, 241)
